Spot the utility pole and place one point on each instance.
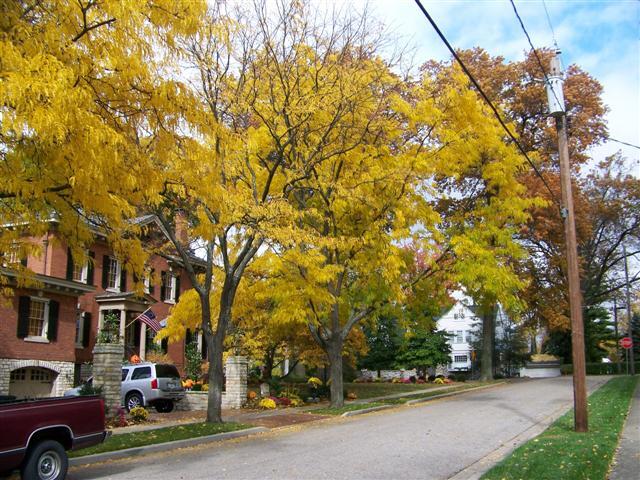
(555, 97)
(629, 319)
(615, 327)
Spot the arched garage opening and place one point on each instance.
(32, 382)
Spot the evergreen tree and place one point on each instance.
(423, 349)
(383, 340)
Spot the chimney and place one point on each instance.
(182, 232)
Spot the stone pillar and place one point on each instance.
(107, 373)
(123, 324)
(143, 341)
(236, 383)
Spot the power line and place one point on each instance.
(535, 53)
(487, 100)
(553, 34)
(544, 72)
(609, 139)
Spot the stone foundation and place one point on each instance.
(62, 382)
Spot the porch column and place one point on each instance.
(123, 324)
(143, 341)
(100, 319)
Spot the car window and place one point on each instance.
(167, 371)
(141, 372)
(125, 371)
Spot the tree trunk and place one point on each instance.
(488, 340)
(334, 354)
(214, 399)
(269, 359)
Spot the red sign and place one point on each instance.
(625, 342)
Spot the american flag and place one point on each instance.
(149, 318)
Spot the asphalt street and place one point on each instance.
(461, 435)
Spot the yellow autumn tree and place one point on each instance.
(84, 107)
(276, 94)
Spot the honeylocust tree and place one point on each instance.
(83, 106)
(276, 96)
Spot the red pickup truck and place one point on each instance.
(35, 434)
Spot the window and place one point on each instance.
(460, 358)
(140, 373)
(37, 319)
(40, 375)
(83, 329)
(38, 315)
(113, 278)
(125, 372)
(20, 374)
(80, 272)
(170, 289)
(459, 336)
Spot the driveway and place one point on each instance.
(436, 440)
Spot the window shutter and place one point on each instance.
(24, 304)
(188, 337)
(23, 261)
(86, 329)
(105, 271)
(177, 288)
(152, 287)
(123, 280)
(203, 347)
(69, 265)
(90, 266)
(52, 330)
(163, 286)
(164, 345)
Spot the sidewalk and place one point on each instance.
(626, 462)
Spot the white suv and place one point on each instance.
(147, 384)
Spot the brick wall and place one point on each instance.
(61, 349)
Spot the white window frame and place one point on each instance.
(84, 272)
(118, 275)
(170, 287)
(42, 338)
(79, 329)
(459, 338)
(457, 357)
(146, 281)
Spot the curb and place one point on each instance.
(162, 447)
(451, 394)
(418, 400)
(366, 410)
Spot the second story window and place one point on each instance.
(170, 288)
(459, 336)
(113, 276)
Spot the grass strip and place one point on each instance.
(160, 435)
(559, 452)
(395, 401)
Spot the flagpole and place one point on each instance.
(137, 317)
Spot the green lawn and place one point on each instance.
(561, 453)
(160, 435)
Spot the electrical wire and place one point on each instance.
(487, 100)
(544, 72)
(535, 53)
(553, 33)
(609, 139)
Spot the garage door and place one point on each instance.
(32, 382)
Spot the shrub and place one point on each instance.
(352, 396)
(139, 415)
(421, 380)
(432, 378)
(89, 389)
(205, 387)
(314, 381)
(439, 381)
(267, 404)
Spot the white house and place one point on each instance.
(459, 322)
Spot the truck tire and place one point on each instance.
(133, 400)
(164, 406)
(47, 460)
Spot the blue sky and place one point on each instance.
(602, 37)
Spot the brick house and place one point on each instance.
(48, 334)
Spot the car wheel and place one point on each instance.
(133, 400)
(46, 461)
(164, 406)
